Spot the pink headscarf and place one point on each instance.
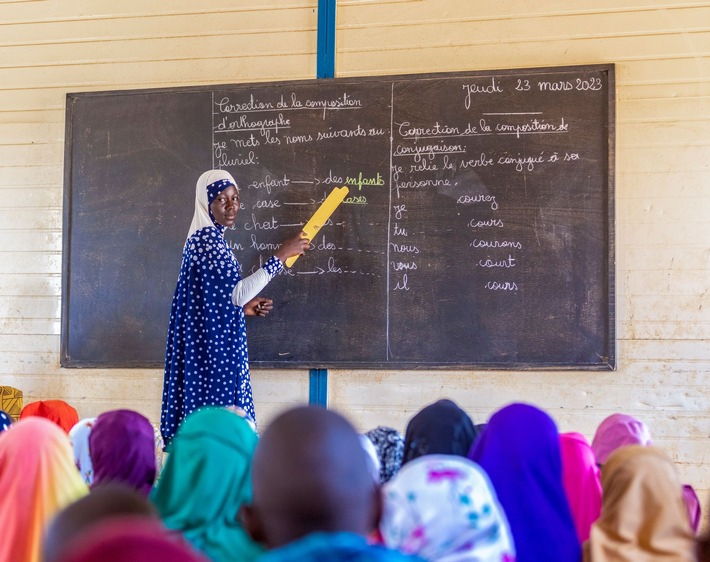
(38, 477)
(619, 430)
(582, 483)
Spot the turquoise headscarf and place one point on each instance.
(205, 481)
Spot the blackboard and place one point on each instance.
(478, 232)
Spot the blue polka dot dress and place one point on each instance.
(206, 358)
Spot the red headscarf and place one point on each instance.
(131, 540)
(58, 411)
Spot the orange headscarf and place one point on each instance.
(38, 477)
(643, 514)
(58, 411)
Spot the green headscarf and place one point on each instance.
(206, 480)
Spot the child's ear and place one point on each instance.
(251, 522)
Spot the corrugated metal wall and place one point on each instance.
(662, 53)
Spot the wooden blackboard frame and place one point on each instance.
(608, 362)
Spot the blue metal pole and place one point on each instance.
(325, 57)
(326, 39)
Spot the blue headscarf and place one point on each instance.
(5, 421)
(520, 451)
(334, 547)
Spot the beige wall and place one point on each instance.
(662, 53)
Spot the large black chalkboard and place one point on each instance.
(478, 234)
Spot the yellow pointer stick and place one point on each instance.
(320, 217)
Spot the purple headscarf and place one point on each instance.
(520, 451)
(692, 505)
(122, 447)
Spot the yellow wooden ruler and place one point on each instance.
(320, 217)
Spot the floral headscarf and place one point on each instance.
(442, 508)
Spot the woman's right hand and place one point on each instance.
(295, 246)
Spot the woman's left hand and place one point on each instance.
(258, 306)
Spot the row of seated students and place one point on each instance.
(312, 489)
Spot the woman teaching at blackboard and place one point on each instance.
(206, 359)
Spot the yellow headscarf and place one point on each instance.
(38, 477)
(643, 515)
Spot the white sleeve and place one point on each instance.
(248, 288)
(251, 286)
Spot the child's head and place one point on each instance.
(310, 473)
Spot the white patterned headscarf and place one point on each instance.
(442, 508)
(79, 437)
(208, 185)
(373, 461)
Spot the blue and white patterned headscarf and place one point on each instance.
(5, 421)
(389, 444)
(209, 185)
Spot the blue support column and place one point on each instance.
(318, 387)
(325, 58)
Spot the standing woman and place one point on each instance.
(206, 360)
